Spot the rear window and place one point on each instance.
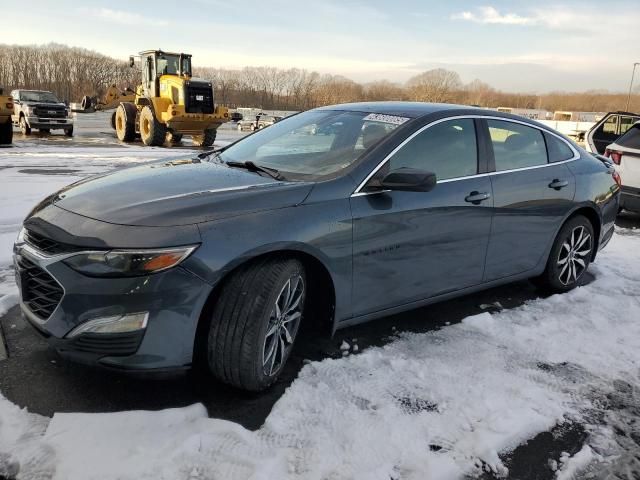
(631, 139)
(557, 150)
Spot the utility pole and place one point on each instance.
(633, 73)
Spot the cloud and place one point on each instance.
(491, 15)
(123, 17)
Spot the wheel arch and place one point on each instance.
(321, 293)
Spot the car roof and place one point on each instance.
(403, 109)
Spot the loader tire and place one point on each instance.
(152, 132)
(86, 102)
(6, 133)
(205, 140)
(174, 138)
(125, 122)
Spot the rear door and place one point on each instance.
(531, 195)
(604, 134)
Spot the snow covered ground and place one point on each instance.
(440, 405)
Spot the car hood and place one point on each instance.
(44, 104)
(179, 192)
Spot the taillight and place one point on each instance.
(614, 155)
(616, 177)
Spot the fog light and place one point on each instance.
(116, 324)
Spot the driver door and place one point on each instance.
(409, 246)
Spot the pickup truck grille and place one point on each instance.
(50, 112)
(199, 98)
(40, 291)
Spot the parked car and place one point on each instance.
(259, 123)
(608, 129)
(220, 258)
(625, 154)
(42, 110)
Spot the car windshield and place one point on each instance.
(631, 139)
(44, 97)
(313, 144)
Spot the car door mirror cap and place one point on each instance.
(407, 180)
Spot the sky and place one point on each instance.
(517, 46)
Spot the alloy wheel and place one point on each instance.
(283, 325)
(574, 255)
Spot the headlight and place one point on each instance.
(20, 238)
(128, 263)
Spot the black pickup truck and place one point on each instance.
(42, 110)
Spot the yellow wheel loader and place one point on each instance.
(169, 103)
(6, 127)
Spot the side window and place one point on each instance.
(557, 150)
(610, 125)
(626, 123)
(448, 149)
(516, 145)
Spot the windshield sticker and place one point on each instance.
(393, 119)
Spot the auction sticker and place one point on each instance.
(393, 119)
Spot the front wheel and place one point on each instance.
(24, 126)
(68, 132)
(570, 255)
(255, 323)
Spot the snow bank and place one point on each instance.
(433, 405)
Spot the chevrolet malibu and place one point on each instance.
(221, 258)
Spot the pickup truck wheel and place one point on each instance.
(24, 126)
(6, 133)
(255, 323)
(205, 140)
(68, 132)
(570, 256)
(152, 132)
(125, 122)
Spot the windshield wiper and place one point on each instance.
(252, 167)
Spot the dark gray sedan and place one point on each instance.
(219, 259)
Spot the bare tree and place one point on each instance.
(438, 85)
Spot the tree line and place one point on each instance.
(73, 72)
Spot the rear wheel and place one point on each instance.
(255, 323)
(24, 126)
(6, 133)
(125, 122)
(152, 132)
(205, 140)
(570, 255)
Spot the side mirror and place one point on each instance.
(132, 61)
(408, 180)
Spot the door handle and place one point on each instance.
(477, 197)
(558, 184)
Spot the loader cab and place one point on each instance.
(155, 63)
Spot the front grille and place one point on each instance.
(40, 291)
(108, 344)
(47, 245)
(50, 112)
(199, 98)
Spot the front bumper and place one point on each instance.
(50, 123)
(173, 299)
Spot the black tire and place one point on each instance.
(564, 267)
(24, 126)
(86, 102)
(239, 339)
(174, 137)
(126, 122)
(205, 140)
(68, 132)
(6, 133)
(44, 130)
(152, 132)
(113, 120)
